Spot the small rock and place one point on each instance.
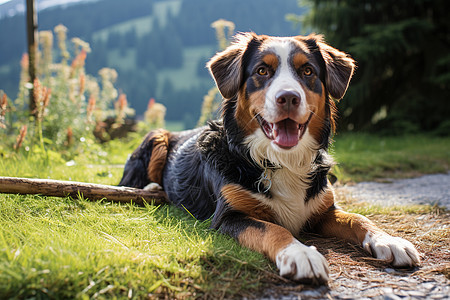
(416, 294)
(391, 297)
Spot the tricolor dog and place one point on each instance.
(260, 172)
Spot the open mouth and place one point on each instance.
(285, 133)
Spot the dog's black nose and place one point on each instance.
(288, 99)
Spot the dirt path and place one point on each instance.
(354, 275)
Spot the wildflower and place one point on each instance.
(46, 40)
(90, 108)
(155, 114)
(220, 26)
(120, 106)
(108, 74)
(61, 32)
(78, 62)
(92, 88)
(3, 105)
(82, 83)
(150, 104)
(42, 96)
(80, 44)
(208, 106)
(20, 138)
(47, 93)
(24, 62)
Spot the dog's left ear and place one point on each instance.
(340, 68)
(226, 66)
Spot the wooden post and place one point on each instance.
(32, 48)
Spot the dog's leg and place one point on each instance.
(360, 230)
(145, 166)
(242, 219)
(294, 259)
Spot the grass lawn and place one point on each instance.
(73, 248)
(363, 157)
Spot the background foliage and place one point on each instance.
(402, 49)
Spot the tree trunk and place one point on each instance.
(60, 188)
(32, 48)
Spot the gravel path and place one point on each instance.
(352, 274)
(428, 189)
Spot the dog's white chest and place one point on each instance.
(288, 192)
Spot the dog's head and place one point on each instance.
(281, 87)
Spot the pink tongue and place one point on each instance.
(286, 133)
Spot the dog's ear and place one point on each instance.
(226, 67)
(340, 68)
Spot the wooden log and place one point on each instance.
(91, 191)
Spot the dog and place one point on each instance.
(260, 171)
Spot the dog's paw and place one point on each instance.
(399, 252)
(153, 187)
(302, 263)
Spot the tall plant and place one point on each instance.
(70, 104)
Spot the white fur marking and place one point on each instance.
(301, 262)
(153, 187)
(398, 251)
(284, 80)
(290, 182)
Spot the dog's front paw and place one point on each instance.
(153, 187)
(302, 263)
(398, 251)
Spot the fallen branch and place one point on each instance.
(91, 191)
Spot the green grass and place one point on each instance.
(66, 248)
(73, 248)
(363, 157)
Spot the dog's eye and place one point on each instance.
(307, 71)
(262, 71)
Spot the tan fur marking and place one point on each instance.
(349, 226)
(159, 155)
(244, 111)
(316, 103)
(268, 241)
(271, 60)
(242, 200)
(299, 60)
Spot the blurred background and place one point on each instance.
(159, 48)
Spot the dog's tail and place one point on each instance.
(146, 163)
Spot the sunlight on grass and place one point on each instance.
(67, 247)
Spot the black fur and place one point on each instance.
(318, 177)
(196, 171)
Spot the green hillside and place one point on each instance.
(144, 24)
